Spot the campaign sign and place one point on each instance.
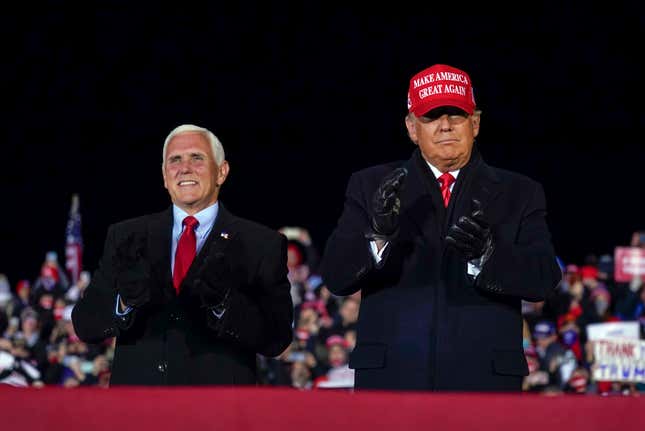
(629, 262)
(619, 360)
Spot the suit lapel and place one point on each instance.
(159, 240)
(481, 184)
(421, 199)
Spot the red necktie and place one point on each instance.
(185, 253)
(446, 180)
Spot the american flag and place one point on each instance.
(74, 241)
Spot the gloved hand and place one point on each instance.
(386, 205)
(471, 235)
(134, 287)
(133, 271)
(214, 283)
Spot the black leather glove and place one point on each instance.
(213, 285)
(386, 205)
(133, 271)
(471, 235)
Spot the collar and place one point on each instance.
(205, 217)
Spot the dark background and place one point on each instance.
(301, 97)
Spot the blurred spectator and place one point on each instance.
(569, 333)
(302, 260)
(15, 370)
(5, 292)
(554, 358)
(21, 299)
(47, 283)
(578, 382)
(297, 354)
(331, 301)
(345, 319)
(75, 292)
(350, 339)
(51, 261)
(638, 239)
(537, 380)
(338, 374)
(308, 320)
(633, 308)
(299, 235)
(301, 377)
(606, 268)
(532, 312)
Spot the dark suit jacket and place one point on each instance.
(173, 339)
(425, 323)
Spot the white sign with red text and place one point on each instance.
(629, 262)
(619, 360)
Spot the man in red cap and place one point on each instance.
(443, 248)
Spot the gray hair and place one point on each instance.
(216, 145)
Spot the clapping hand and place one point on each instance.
(133, 272)
(214, 282)
(386, 204)
(471, 235)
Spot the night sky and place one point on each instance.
(300, 97)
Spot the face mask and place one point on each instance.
(601, 306)
(569, 337)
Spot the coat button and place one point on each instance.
(162, 367)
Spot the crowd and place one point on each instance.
(38, 346)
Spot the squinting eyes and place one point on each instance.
(194, 158)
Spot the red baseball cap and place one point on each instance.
(440, 85)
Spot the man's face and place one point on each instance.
(190, 173)
(445, 136)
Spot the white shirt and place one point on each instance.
(206, 219)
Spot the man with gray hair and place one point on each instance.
(193, 293)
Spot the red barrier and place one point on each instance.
(272, 408)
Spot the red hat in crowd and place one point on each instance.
(295, 256)
(578, 381)
(302, 334)
(22, 284)
(440, 85)
(49, 271)
(571, 269)
(589, 271)
(334, 340)
(570, 316)
(318, 306)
